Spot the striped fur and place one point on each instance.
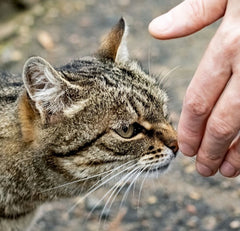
(76, 123)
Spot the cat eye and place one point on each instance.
(129, 131)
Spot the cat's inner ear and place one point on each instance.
(114, 45)
(45, 87)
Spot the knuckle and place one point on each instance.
(196, 105)
(214, 157)
(220, 130)
(230, 41)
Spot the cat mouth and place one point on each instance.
(156, 169)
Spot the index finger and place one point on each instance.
(187, 18)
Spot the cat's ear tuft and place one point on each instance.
(45, 87)
(114, 45)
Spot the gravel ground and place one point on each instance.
(177, 201)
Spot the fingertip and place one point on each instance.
(228, 170)
(186, 18)
(204, 170)
(186, 149)
(160, 26)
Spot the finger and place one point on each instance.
(203, 92)
(222, 127)
(231, 164)
(187, 18)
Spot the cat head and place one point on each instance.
(97, 113)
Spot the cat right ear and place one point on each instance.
(114, 45)
(49, 92)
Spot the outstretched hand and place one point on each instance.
(210, 121)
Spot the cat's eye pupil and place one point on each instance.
(125, 129)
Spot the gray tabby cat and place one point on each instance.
(95, 116)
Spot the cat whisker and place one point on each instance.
(141, 186)
(149, 58)
(112, 189)
(130, 185)
(164, 77)
(76, 181)
(115, 191)
(113, 170)
(133, 174)
(97, 186)
(124, 181)
(87, 178)
(115, 186)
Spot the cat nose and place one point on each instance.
(173, 145)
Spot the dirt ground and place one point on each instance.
(180, 200)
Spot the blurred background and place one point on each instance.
(60, 31)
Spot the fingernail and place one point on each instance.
(203, 169)
(228, 170)
(161, 23)
(186, 149)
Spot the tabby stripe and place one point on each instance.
(12, 216)
(99, 162)
(81, 148)
(102, 146)
(131, 102)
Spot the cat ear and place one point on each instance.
(45, 87)
(114, 45)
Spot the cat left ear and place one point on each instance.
(46, 88)
(114, 45)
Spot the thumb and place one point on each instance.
(187, 18)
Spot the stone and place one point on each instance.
(45, 39)
(235, 224)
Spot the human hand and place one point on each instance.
(210, 120)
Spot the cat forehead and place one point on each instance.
(124, 84)
(93, 68)
(89, 70)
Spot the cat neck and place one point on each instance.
(28, 174)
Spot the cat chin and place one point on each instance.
(155, 172)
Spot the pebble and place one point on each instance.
(190, 169)
(235, 224)
(195, 196)
(152, 200)
(192, 222)
(210, 223)
(191, 209)
(45, 39)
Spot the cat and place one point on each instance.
(95, 116)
